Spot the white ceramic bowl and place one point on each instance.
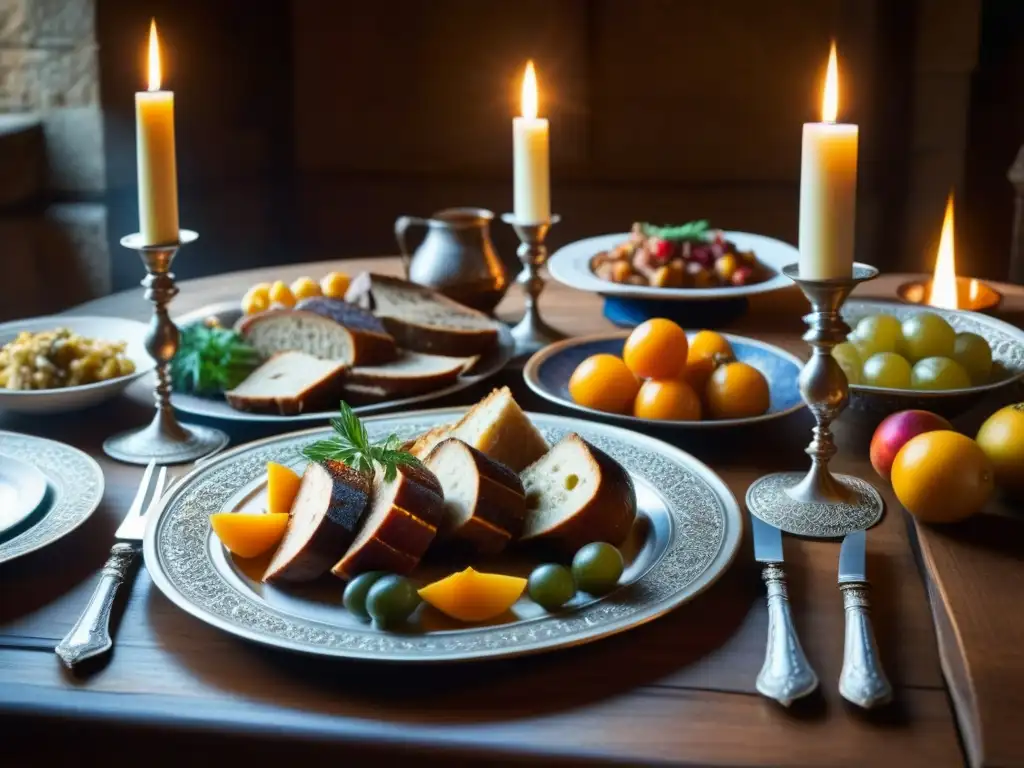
(570, 264)
(68, 399)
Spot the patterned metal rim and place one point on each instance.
(767, 500)
(75, 489)
(706, 530)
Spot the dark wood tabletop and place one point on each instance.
(679, 690)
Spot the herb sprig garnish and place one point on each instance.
(697, 231)
(351, 445)
(211, 359)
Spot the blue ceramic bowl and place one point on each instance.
(547, 373)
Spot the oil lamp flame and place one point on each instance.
(529, 94)
(154, 57)
(830, 98)
(944, 290)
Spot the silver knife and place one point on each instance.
(786, 675)
(91, 634)
(862, 680)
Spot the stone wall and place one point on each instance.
(52, 169)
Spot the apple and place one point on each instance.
(895, 431)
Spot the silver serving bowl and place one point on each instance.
(1006, 341)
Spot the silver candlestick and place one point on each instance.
(531, 333)
(819, 503)
(163, 440)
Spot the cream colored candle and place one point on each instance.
(532, 190)
(154, 142)
(828, 189)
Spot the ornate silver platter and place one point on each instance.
(687, 534)
(74, 489)
(217, 408)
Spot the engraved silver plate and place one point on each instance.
(767, 499)
(688, 532)
(74, 489)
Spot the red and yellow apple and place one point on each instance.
(895, 431)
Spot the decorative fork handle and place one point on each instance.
(786, 674)
(862, 680)
(91, 634)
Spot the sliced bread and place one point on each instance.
(412, 373)
(289, 383)
(424, 320)
(577, 494)
(282, 330)
(496, 426)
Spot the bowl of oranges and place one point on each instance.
(661, 374)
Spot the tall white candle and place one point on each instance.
(530, 168)
(828, 189)
(157, 168)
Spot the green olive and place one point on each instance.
(551, 586)
(597, 568)
(354, 598)
(391, 600)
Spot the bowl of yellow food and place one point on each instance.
(67, 363)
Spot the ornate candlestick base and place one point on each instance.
(820, 504)
(532, 333)
(163, 440)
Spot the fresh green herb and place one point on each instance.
(211, 360)
(693, 230)
(351, 445)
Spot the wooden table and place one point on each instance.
(677, 691)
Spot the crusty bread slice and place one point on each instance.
(289, 383)
(412, 373)
(424, 320)
(496, 426)
(282, 330)
(577, 494)
(484, 501)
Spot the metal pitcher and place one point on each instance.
(456, 257)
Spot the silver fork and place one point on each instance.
(90, 636)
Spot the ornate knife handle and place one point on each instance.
(786, 674)
(862, 680)
(91, 634)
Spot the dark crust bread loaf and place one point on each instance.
(375, 555)
(367, 347)
(353, 317)
(319, 394)
(337, 497)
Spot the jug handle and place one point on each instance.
(402, 224)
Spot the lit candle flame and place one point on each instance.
(154, 58)
(943, 292)
(529, 94)
(974, 288)
(830, 98)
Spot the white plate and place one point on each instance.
(687, 534)
(68, 399)
(570, 264)
(22, 489)
(75, 484)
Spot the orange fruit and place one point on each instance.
(281, 294)
(737, 391)
(707, 349)
(670, 399)
(256, 299)
(305, 287)
(604, 383)
(1001, 437)
(334, 285)
(942, 476)
(249, 535)
(656, 349)
(473, 596)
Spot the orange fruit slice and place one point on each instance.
(472, 596)
(249, 535)
(282, 485)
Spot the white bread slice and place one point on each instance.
(577, 494)
(412, 373)
(495, 426)
(424, 320)
(283, 330)
(289, 383)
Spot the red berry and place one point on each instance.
(742, 276)
(660, 249)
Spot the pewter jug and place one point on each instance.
(456, 257)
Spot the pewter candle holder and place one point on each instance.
(820, 504)
(532, 333)
(164, 440)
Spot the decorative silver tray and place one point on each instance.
(687, 534)
(228, 314)
(74, 489)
